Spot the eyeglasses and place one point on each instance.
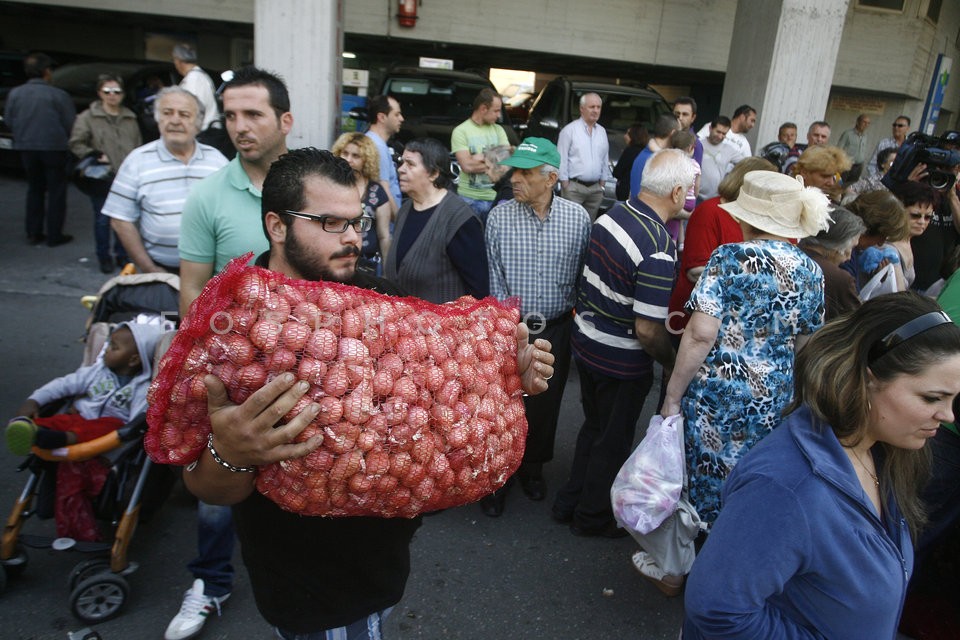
(898, 125)
(336, 224)
(921, 216)
(111, 90)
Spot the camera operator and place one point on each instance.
(935, 161)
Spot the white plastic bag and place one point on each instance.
(647, 488)
(883, 281)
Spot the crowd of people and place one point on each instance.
(718, 267)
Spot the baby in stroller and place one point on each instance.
(106, 395)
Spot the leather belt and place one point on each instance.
(584, 182)
(537, 323)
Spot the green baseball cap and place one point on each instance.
(534, 152)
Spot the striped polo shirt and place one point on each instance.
(628, 273)
(150, 189)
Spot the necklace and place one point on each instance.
(856, 455)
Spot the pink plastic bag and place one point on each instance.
(647, 488)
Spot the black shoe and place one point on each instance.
(37, 239)
(609, 530)
(64, 239)
(534, 486)
(492, 505)
(563, 517)
(106, 266)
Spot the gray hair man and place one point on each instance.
(147, 196)
(585, 156)
(535, 247)
(196, 81)
(618, 334)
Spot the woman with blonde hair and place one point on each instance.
(816, 535)
(821, 167)
(361, 154)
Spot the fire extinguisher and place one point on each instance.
(407, 13)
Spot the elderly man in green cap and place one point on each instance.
(535, 247)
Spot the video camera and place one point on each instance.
(920, 148)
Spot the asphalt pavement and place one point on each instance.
(520, 576)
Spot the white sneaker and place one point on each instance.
(193, 613)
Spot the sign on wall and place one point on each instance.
(938, 88)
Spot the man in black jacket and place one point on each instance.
(41, 118)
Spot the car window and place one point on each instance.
(550, 104)
(622, 110)
(434, 97)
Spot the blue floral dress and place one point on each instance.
(765, 293)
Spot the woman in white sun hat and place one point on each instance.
(754, 306)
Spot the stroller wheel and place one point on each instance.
(86, 569)
(99, 597)
(16, 565)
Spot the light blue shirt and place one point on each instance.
(537, 260)
(584, 155)
(388, 169)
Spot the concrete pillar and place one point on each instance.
(302, 41)
(782, 57)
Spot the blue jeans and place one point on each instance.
(102, 233)
(480, 207)
(369, 628)
(215, 540)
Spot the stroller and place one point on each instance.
(134, 488)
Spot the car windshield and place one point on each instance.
(622, 110)
(434, 97)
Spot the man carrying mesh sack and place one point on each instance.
(312, 575)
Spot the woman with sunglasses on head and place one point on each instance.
(438, 251)
(107, 131)
(816, 535)
(361, 154)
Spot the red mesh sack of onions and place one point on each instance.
(421, 403)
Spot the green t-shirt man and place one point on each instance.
(474, 138)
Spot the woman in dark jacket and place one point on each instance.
(438, 252)
(636, 138)
(109, 132)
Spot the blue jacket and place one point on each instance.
(40, 116)
(798, 550)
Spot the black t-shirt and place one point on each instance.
(931, 247)
(310, 574)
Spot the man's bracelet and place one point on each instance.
(223, 463)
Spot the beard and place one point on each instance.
(313, 267)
